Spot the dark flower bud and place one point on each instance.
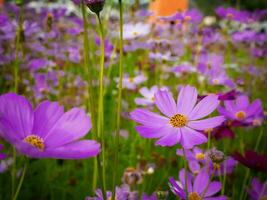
(95, 5)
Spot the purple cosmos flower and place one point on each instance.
(195, 157)
(148, 95)
(46, 132)
(252, 160)
(182, 120)
(241, 110)
(200, 187)
(123, 192)
(133, 31)
(258, 190)
(131, 83)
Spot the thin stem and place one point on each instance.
(100, 119)
(16, 80)
(119, 103)
(185, 174)
(20, 181)
(89, 74)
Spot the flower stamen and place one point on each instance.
(178, 121)
(35, 141)
(194, 196)
(240, 115)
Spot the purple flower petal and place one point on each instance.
(18, 112)
(206, 123)
(190, 138)
(45, 117)
(188, 181)
(204, 107)
(213, 188)
(201, 182)
(242, 102)
(75, 150)
(72, 125)
(148, 118)
(171, 138)
(254, 108)
(152, 132)
(165, 103)
(186, 100)
(216, 198)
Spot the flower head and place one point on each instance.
(258, 190)
(252, 160)
(95, 6)
(199, 187)
(46, 132)
(241, 110)
(182, 121)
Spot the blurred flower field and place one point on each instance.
(103, 100)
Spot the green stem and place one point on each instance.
(88, 72)
(119, 103)
(185, 174)
(100, 119)
(20, 182)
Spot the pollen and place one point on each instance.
(264, 197)
(194, 196)
(135, 33)
(240, 115)
(200, 156)
(187, 18)
(216, 166)
(35, 141)
(178, 120)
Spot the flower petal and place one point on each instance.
(213, 188)
(148, 118)
(206, 123)
(201, 182)
(45, 117)
(18, 112)
(75, 150)
(204, 107)
(165, 103)
(242, 102)
(171, 138)
(187, 99)
(71, 126)
(255, 108)
(190, 138)
(153, 132)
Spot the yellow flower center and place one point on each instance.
(194, 196)
(35, 141)
(229, 15)
(200, 156)
(178, 120)
(131, 80)
(216, 166)
(187, 18)
(241, 115)
(264, 197)
(135, 33)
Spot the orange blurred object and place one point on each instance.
(1, 3)
(167, 7)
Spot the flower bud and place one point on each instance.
(95, 5)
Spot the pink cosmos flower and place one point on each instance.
(46, 132)
(241, 110)
(182, 121)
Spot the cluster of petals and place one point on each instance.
(182, 121)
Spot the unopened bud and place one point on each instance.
(95, 6)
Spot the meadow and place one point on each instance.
(104, 100)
